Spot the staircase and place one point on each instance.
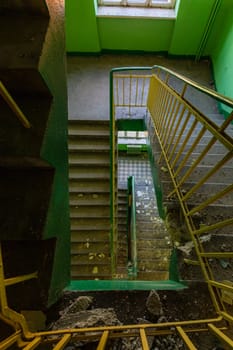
(122, 248)
(199, 155)
(31, 174)
(223, 207)
(153, 239)
(89, 199)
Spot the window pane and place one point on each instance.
(136, 2)
(142, 3)
(109, 2)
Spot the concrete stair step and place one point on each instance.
(205, 191)
(153, 265)
(84, 236)
(220, 242)
(88, 128)
(163, 244)
(88, 237)
(210, 159)
(87, 146)
(21, 51)
(89, 212)
(149, 251)
(217, 148)
(92, 259)
(101, 159)
(92, 224)
(86, 172)
(153, 275)
(89, 199)
(224, 175)
(83, 272)
(32, 7)
(97, 248)
(89, 186)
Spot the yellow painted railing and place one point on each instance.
(14, 107)
(189, 143)
(23, 338)
(179, 128)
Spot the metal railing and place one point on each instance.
(175, 122)
(188, 143)
(14, 107)
(131, 228)
(22, 338)
(128, 97)
(181, 130)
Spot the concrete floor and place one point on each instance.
(88, 80)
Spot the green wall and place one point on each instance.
(135, 34)
(81, 26)
(220, 45)
(52, 67)
(192, 16)
(87, 33)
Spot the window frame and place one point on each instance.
(167, 4)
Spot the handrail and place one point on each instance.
(210, 92)
(14, 107)
(131, 228)
(181, 131)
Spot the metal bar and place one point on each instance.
(184, 143)
(123, 91)
(212, 199)
(143, 90)
(33, 344)
(219, 97)
(136, 92)
(166, 115)
(221, 336)
(208, 228)
(103, 341)
(208, 175)
(197, 161)
(226, 122)
(185, 338)
(63, 342)
(3, 297)
(14, 107)
(162, 97)
(168, 119)
(217, 255)
(130, 92)
(144, 341)
(190, 151)
(226, 316)
(204, 265)
(6, 343)
(112, 175)
(173, 119)
(18, 279)
(167, 150)
(219, 134)
(130, 327)
(188, 116)
(221, 285)
(117, 91)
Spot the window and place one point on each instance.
(138, 3)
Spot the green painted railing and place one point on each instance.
(131, 228)
(113, 150)
(132, 96)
